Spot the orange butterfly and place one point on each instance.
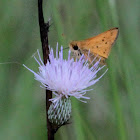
(99, 46)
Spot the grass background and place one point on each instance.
(113, 111)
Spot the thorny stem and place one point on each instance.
(44, 29)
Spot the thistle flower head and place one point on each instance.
(66, 77)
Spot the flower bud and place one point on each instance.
(60, 114)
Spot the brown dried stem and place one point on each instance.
(44, 29)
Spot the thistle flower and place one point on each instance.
(66, 78)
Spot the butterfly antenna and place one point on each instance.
(65, 48)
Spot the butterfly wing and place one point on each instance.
(102, 43)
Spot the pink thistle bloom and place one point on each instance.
(66, 78)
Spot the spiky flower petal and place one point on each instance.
(66, 78)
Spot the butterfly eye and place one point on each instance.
(75, 47)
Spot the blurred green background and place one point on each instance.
(113, 111)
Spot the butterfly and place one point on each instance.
(98, 46)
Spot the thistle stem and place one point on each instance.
(44, 29)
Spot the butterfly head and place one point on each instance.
(74, 47)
